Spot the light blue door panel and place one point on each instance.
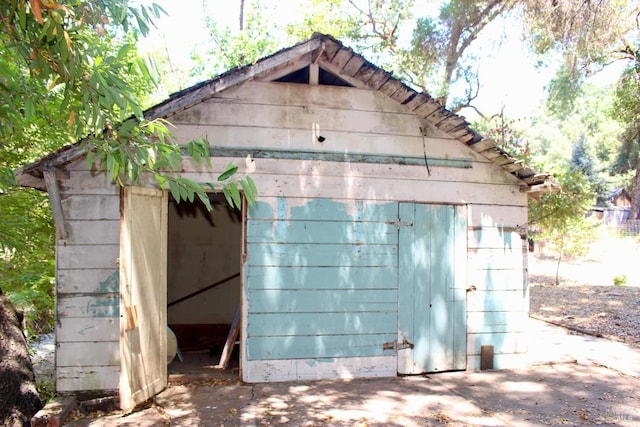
(320, 279)
(432, 312)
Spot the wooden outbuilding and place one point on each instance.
(388, 237)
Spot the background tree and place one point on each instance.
(228, 49)
(560, 217)
(582, 160)
(70, 71)
(439, 45)
(84, 53)
(433, 45)
(627, 112)
(588, 35)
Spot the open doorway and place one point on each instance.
(203, 285)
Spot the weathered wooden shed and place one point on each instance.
(388, 237)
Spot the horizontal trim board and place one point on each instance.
(321, 301)
(85, 378)
(511, 300)
(462, 163)
(497, 321)
(287, 183)
(302, 95)
(499, 280)
(98, 184)
(266, 138)
(344, 278)
(497, 259)
(321, 232)
(318, 368)
(296, 117)
(88, 256)
(497, 215)
(322, 209)
(93, 232)
(89, 207)
(494, 238)
(321, 255)
(267, 348)
(318, 324)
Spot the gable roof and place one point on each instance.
(351, 69)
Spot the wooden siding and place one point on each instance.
(294, 195)
(303, 291)
(87, 328)
(312, 369)
(286, 276)
(498, 310)
(495, 203)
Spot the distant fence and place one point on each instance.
(629, 228)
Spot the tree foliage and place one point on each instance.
(589, 36)
(229, 49)
(560, 219)
(82, 56)
(439, 45)
(433, 45)
(627, 111)
(70, 71)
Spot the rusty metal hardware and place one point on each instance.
(393, 345)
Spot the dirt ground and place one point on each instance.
(598, 294)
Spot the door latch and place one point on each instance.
(397, 224)
(394, 345)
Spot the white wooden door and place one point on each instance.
(143, 294)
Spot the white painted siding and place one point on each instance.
(289, 117)
(497, 311)
(87, 328)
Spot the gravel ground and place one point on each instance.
(42, 358)
(587, 298)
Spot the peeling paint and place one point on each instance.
(111, 283)
(104, 307)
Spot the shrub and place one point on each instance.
(620, 280)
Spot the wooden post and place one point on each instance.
(56, 203)
(486, 357)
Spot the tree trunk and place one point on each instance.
(19, 400)
(560, 255)
(635, 194)
(241, 15)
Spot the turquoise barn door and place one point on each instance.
(431, 288)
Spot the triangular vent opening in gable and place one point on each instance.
(324, 78)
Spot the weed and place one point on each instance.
(620, 280)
